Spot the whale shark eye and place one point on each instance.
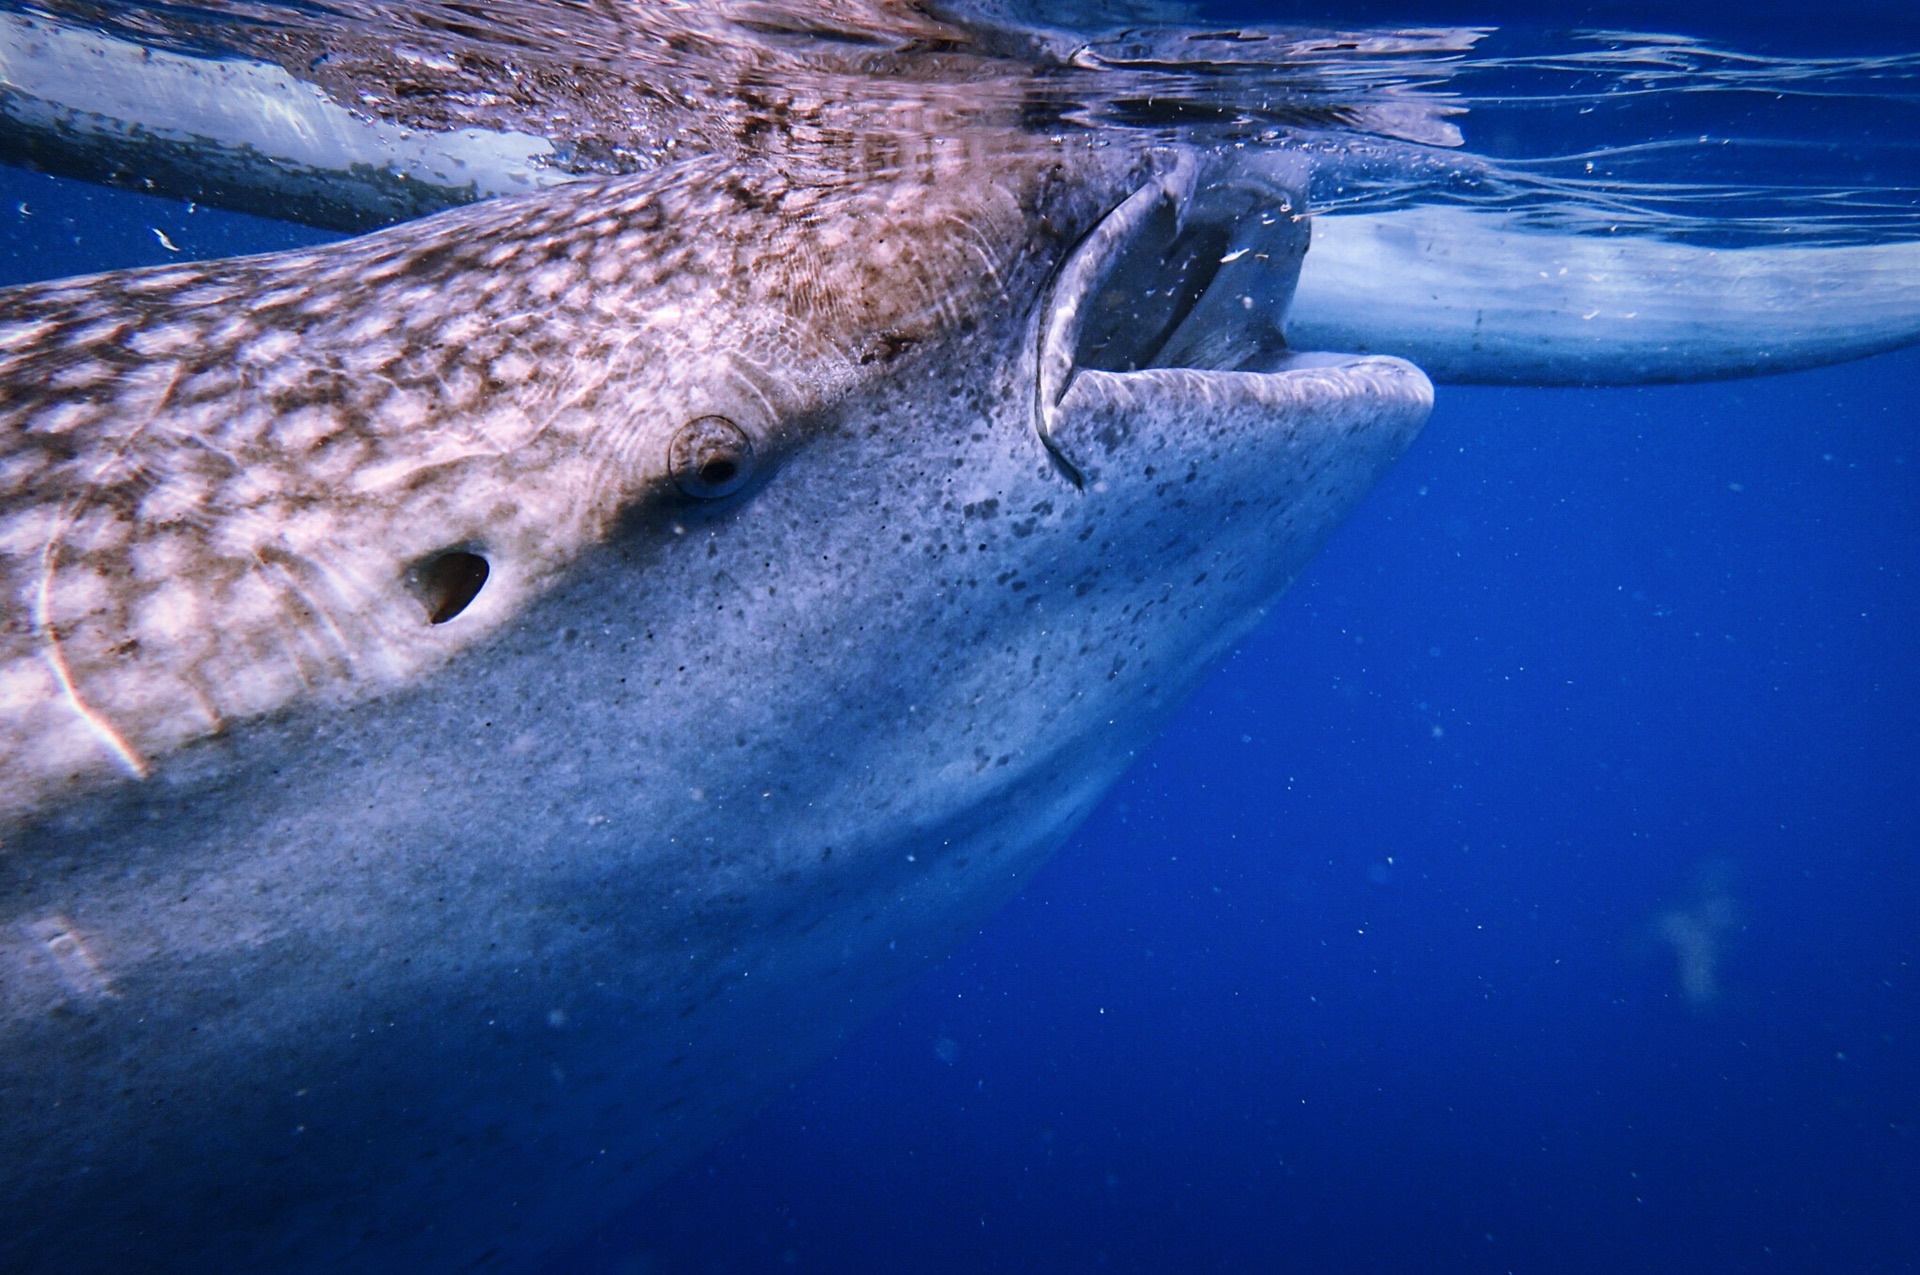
(448, 582)
(710, 457)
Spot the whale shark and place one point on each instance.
(511, 687)
(488, 701)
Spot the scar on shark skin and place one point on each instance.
(102, 729)
(56, 660)
(79, 972)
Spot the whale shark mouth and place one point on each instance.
(1195, 270)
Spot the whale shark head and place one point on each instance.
(254, 488)
(501, 694)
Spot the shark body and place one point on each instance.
(489, 700)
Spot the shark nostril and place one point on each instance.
(449, 582)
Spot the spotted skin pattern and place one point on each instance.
(218, 482)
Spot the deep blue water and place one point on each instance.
(1375, 961)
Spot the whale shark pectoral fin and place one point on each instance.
(1474, 297)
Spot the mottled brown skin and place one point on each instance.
(216, 479)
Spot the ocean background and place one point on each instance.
(1536, 891)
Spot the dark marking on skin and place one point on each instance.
(750, 199)
(888, 347)
(450, 582)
